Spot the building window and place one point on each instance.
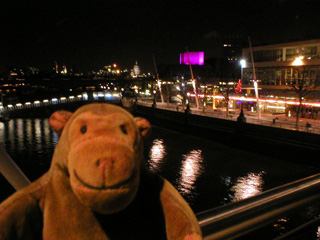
(309, 52)
(291, 53)
(267, 55)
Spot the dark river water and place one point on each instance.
(206, 173)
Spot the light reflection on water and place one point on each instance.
(30, 142)
(157, 154)
(191, 169)
(191, 166)
(247, 186)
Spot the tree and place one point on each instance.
(304, 81)
(182, 91)
(225, 88)
(166, 89)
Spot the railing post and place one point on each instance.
(11, 171)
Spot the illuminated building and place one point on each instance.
(136, 69)
(232, 46)
(111, 70)
(225, 55)
(193, 58)
(64, 70)
(274, 63)
(274, 67)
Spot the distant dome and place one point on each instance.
(136, 69)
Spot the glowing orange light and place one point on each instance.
(298, 61)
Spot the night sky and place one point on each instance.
(91, 33)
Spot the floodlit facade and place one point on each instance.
(274, 69)
(274, 63)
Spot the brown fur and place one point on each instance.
(94, 178)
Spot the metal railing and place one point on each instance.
(239, 218)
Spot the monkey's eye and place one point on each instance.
(123, 129)
(83, 129)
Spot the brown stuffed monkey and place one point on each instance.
(97, 186)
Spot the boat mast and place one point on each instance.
(255, 81)
(194, 82)
(158, 80)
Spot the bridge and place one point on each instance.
(6, 111)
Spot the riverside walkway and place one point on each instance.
(266, 119)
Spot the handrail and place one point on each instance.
(11, 171)
(236, 219)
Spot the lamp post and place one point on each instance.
(243, 65)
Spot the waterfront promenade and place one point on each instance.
(266, 119)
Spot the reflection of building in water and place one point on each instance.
(247, 186)
(190, 171)
(157, 154)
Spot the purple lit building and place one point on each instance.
(193, 58)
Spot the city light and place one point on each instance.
(243, 63)
(298, 61)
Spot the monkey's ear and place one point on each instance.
(58, 120)
(144, 126)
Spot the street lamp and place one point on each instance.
(243, 65)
